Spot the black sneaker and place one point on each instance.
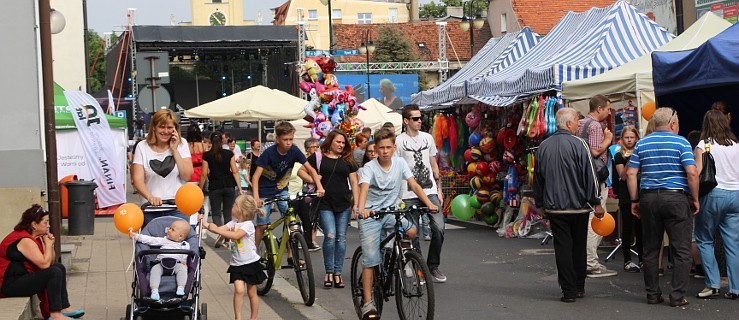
(699, 274)
(313, 247)
(438, 276)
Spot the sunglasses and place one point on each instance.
(414, 118)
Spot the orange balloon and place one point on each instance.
(605, 226)
(128, 216)
(189, 199)
(647, 110)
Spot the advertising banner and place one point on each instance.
(661, 11)
(101, 160)
(403, 84)
(729, 10)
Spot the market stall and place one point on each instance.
(691, 80)
(635, 77)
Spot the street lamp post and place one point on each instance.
(330, 26)
(367, 47)
(477, 23)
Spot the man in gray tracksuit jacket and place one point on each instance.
(565, 186)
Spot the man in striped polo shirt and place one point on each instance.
(667, 201)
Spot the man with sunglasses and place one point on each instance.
(667, 201)
(419, 151)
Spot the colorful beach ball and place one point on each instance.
(482, 195)
(475, 154)
(476, 182)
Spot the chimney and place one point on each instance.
(413, 11)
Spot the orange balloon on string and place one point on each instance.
(189, 199)
(605, 226)
(128, 216)
(647, 110)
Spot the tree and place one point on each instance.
(392, 46)
(432, 10)
(95, 71)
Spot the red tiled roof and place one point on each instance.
(542, 15)
(281, 13)
(348, 36)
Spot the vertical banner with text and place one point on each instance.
(100, 153)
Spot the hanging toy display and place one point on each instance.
(330, 108)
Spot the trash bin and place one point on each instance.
(81, 203)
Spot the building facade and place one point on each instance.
(315, 16)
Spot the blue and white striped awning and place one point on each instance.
(496, 55)
(581, 45)
(497, 101)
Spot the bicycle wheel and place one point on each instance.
(265, 251)
(414, 290)
(303, 268)
(356, 285)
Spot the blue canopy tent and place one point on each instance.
(581, 45)
(692, 80)
(496, 55)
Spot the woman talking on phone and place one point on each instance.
(161, 165)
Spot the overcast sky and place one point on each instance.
(105, 15)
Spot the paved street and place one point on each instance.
(496, 278)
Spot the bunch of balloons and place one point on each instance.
(330, 107)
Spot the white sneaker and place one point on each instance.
(600, 272)
(427, 238)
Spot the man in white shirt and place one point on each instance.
(419, 151)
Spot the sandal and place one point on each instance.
(327, 283)
(338, 281)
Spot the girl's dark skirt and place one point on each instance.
(251, 273)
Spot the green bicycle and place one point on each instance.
(272, 249)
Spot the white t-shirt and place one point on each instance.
(164, 243)
(161, 175)
(418, 152)
(727, 172)
(244, 250)
(384, 185)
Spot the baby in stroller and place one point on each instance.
(168, 264)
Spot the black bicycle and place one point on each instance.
(403, 274)
(272, 248)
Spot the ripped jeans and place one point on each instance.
(334, 225)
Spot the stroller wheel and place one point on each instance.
(203, 312)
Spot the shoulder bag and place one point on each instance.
(601, 169)
(707, 179)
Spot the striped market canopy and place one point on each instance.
(581, 45)
(496, 55)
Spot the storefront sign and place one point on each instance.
(729, 10)
(661, 11)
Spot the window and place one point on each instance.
(503, 23)
(392, 15)
(364, 18)
(312, 14)
(301, 14)
(217, 1)
(336, 14)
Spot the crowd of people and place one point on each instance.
(656, 180)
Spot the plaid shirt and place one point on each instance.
(595, 135)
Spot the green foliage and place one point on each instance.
(432, 10)
(96, 60)
(392, 46)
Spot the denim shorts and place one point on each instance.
(281, 205)
(371, 234)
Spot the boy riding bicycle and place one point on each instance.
(379, 188)
(273, 174)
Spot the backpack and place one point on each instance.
(600, 167)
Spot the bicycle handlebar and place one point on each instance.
(299, 196)
(380, 213)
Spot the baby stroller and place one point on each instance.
(185, 307)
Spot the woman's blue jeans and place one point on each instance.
(334, 226)
(719, 212)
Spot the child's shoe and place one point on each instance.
(154, 294)
(180, 291)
